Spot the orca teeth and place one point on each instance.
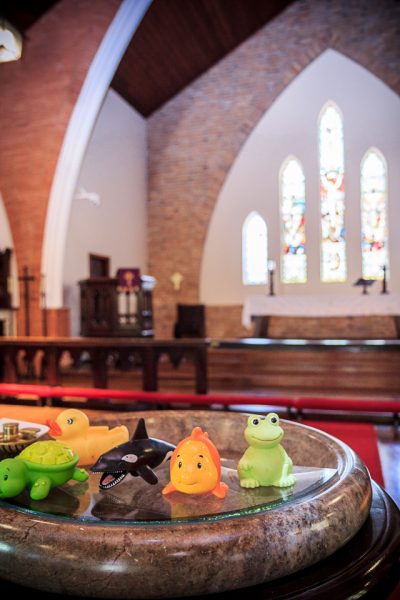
(118, 477)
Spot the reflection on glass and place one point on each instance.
(135, 501)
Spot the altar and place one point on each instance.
(357, 316)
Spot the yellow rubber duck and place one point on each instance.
(89, 442)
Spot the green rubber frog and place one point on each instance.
(265, 462)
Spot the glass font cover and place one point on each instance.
(136, 502)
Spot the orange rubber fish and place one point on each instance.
(196, 467)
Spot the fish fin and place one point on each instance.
(140, 431)
(147, 474)
(221, 490)
(168, 489)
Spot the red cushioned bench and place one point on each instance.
(296, 403)
(128, 396)
(350, 404)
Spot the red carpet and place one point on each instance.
(361, 437)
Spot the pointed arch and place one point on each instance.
(98, 79)
(270, 143)
(374, 236)
(332, 196)
(254, 250)
(292, 200)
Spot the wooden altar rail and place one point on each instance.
(260, 343)
(301, 366)
(100, 351)
(148, 352)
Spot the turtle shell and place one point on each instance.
(48, 453)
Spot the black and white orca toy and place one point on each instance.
(139, 457)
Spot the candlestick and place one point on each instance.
(43, 303)
(271, 266)
(25, 279)
(384, 281)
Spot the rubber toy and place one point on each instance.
(40, 467)
(196, 467)
(265, 462)
(138, 457)
(73, 428)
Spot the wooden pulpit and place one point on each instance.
(106, 312)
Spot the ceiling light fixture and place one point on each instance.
(10, 42)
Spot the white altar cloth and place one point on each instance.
(320, 306)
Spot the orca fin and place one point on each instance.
(140, 431)
(147, 474)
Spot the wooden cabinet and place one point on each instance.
(106, 312)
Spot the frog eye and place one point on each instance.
(273, 419)
(70, 421)
(199, 465)
(180, 464)
(255, 421)
(5, 477)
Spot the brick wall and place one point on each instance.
(194, 139)
(38, 94)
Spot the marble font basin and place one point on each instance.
(75, 544)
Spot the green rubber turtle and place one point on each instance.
(40, 467)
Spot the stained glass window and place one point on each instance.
(254, 250)
(373, 215)
(293, 205)
(331, 161)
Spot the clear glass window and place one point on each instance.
(254, 250)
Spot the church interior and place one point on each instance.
(198, 233)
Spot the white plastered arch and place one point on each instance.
(6, 241)
(98, 79)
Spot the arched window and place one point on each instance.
(374, 243)
(331, 162)
(254, 250)
(293, 205)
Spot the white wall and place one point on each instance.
(115, 168)
(371, 115)
(6, 241)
